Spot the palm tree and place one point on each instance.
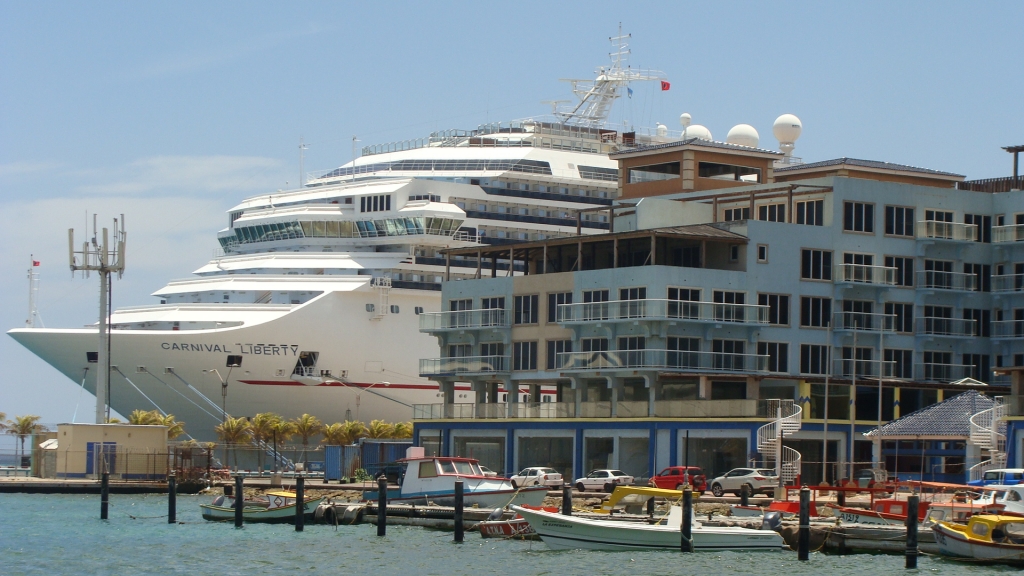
(174, 427)
(283, 432)
(307, 426)
(354, 430)
(22, 427)
(402, 430)
(333, 434)
(155, 418)
(263, 427)
(380, 429)
(233, 431)
(3, 421)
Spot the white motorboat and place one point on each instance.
(568, 532)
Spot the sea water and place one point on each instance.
(59, 534)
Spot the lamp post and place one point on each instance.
(367, 388)
(223, 393)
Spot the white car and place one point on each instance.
(605, 480)
(536, 476)
(759, 480)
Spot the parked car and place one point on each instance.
(1008, 476)
(759, 480)
(488, 472)
(536, 476)
(605, 480)
(674, 477)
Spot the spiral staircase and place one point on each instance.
(988, 432)
(785, 460)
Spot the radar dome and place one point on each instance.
(787, 129)
(685, 119)
(697, 131)
(662, 130)
(743, 135)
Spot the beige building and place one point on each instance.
(127, 451)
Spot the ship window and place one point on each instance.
(428, 469)
(418, 310)
(394, 309)
(369, 307)
(92, 357)
(234, 361)
(447, 467)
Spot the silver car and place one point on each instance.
(536, 476)
(759, 480)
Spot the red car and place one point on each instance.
(673, 478)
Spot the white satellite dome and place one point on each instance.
(787, 129)
(662, 130)
(697, 131)
(743, 135)
(685, 119)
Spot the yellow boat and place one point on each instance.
(638, 495)
(987, 538)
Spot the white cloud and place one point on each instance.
(23, 168)
(185, 175)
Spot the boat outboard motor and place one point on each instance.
(496, 514)
(772, 521)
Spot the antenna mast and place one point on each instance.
(33, 287)
(97, 255)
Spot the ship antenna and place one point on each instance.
(33, 288)
(302, 154)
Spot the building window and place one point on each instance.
(524, 355)
(778, 308)
(902, 314)
(857, 314)
(734, 253)
(777, 353)
(556, 347)
(492, 349)
(683, 352)
(938, 274)
(904, 270)
(460, 350)
(554, 300)
(593, 344)
(811, 212)
(984, 224)
(858, 217)
(982, 276)
(982, 321)
(653, 172)
(596, 307)
(493, 303)
(813, 359)
(815, 264)
(684, 303)
(815, 312)
(856, 361)
(632, 308)
(526, 309)
(979, 365)
(728, 172)
(729, 306)
(772, 212)
(900, 363)
(899, 221)
(938, 216)
(728, 354)
(631, 350)
(734, 214)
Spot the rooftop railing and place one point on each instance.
(952, 231)
(864, 274)
(1010, 233)
(625, 310)
(946, 326)
(938, 280)
(864, 322)
(467, 365)
(463, 319)
(672, 360)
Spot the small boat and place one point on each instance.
(571, 532)
(988, 538)
(516, 527)
(786, 508)
(277, 506)
(884, 511)
(431, 479)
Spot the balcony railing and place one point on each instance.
(864, 322)
(673, 360)
(1008, 283)
(1007, 329)
(863, 368)
(945, 373)
(1011, 233)
(946, 326)
(739, 408)
(864, 274)
(706, 408)
(1014, 405)
(953, 231)
(463, 365)
(442, 411)
(938, 280)
(462, 319)
(627, 310)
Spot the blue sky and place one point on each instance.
(172, 112)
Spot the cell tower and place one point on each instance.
(97, 256)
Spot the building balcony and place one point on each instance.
(1008, 329)
(671, 310)
(1011, 233)
(443, 411)
(850, 369)
(1014, 405)
(955, 327)
(944, 373)
(463, 365)
(863, 322)
(953, 281)
(864, 274)
(666, 360)
(599, 409)
(1008, 283)
(947, 231)
(463, 320)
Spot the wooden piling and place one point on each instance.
(459, 534)
(239, 501)
(686, 540)
(912, 511)
(382, 506)
(566, 500)
(172, 503)
(104, 494)
(804, 534)
(300, 502)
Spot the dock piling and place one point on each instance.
(650, 507)
(912, 512)
(459, 535)
(104, 494)
(566, 500)
(745, 495)
(382, 505)
(686, 541)
(172, 499)
(239, 501)
(300, 502)
(840, 496)
(804, 534)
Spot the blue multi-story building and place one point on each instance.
(742, 309)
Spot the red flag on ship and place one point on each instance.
(665, 85)
(35, 262)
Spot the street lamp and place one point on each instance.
(223, 392)
(367, 388)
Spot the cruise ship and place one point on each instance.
(312, 306)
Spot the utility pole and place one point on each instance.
(97, 255)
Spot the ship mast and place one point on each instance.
(33, 287)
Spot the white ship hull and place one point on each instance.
(368, 352)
